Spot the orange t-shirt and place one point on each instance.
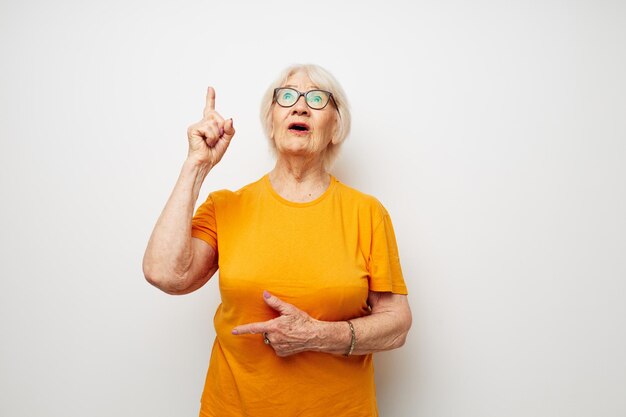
(323, 257)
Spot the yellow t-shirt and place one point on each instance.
(322, 256)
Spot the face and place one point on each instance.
(300, 130)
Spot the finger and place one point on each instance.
(251, 328)
(216, 116)
(229, 129)
(209, 132)
(215, 126)
(213, 136)
(210, 101)
(278, 304)
(200, 130)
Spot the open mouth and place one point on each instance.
(299, 127)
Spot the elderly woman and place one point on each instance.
(310, 278)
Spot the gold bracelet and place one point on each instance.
(352, 340)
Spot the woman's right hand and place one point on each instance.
(209, 138)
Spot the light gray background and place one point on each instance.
(494, 133)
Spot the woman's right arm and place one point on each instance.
(174, 261)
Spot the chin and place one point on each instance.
(295, 151)
(294, 145)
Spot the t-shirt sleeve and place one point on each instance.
(384, 261)
(203, 225)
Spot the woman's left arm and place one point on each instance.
(294, 331)
(386, 328)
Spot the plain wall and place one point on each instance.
(493, 132)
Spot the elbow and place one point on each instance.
(150, 273)
(154, 279)
(163, 281)
(405, 321)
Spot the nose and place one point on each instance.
(300, 107)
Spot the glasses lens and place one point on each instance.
(317, 99)
(286, 97)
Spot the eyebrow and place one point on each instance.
(311, 87)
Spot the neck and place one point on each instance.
(299, 179)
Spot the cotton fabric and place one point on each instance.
(321, 256)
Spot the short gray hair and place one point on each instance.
(325, 81)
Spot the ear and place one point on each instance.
(335, 138)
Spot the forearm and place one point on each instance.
(384, 329)
(169, 252)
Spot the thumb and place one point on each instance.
(229, 129)
(277, 304)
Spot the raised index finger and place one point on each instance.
(210, 101)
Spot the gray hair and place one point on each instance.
(325, 81)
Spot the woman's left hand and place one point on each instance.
(292, 332)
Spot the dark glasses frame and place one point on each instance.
(300, 94)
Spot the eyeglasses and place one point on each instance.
(315, 99)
